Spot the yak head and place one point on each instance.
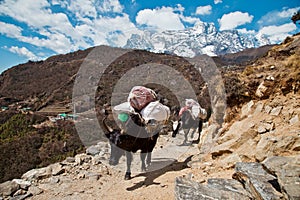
(113, 136)
(115, 155)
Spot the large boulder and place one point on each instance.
(37, 174)
(287, 170)
(258, 182)
(8, 188)
(276, 178)
(186, 188)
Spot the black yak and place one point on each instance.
(135, 136)
(187, 122)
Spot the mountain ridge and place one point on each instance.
(203, 38)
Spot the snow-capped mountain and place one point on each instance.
(202, 38)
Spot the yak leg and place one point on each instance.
(200, 125)
(143, 158)
(148, 161)
(186, 132)
(128, 162)
(175, 132)
(193, 132)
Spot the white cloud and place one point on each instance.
(106, 27)
(277, 33)
(187, 19)
(82, 24)
(288, 13)
(203, 10)
(82, 10)
(34, 13)
(55, 41)
(58, 33)
(10, 30)
(234, 19)
(277, 17)
(245, 31)
(62, 3)
(23, 52)
(190, 20)
(37, 15)
(218, 1)
(179, 8)
(106, 6)
(160, 18)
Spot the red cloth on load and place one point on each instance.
(185, 108)
(140, 97)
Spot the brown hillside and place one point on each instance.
(51, 81)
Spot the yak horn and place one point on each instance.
(108, 128)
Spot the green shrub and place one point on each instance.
(23, 147)
(17, 126)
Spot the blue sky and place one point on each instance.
(35, 30)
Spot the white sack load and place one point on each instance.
(155, 110)
(191, 102)
(196, 109)
(123, 107)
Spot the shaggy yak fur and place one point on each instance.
(188, 122)
(129, 140)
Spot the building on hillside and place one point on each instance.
(64, 116)
(4, 108)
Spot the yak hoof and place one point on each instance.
(195, 141)
(144, 169)
(127, 176)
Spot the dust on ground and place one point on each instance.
(169, 160)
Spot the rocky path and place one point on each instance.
(102, 181)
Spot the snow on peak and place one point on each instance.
(202, 38)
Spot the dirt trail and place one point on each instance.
(169, 160)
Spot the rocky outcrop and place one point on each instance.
(276, 178)
(266, 128)
(259, 148)
(287, 171)
(36, 181)
(257, 181)
(185, 188)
